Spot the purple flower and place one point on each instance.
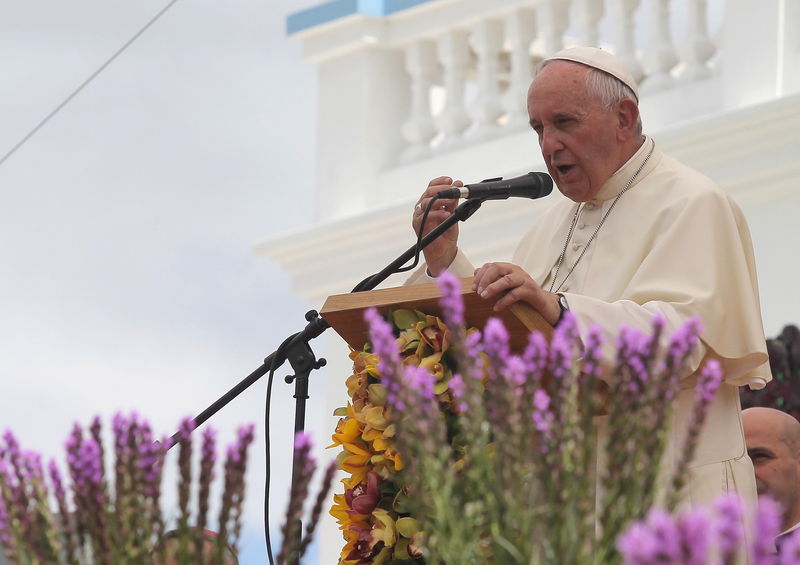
(419, 381)
(457, 387)
(638, 545)
(789, 553)
(535, 355)
(495, 339)
(542, 416)
(515, 372)
(593, 352)
(710, 379)
(695, 531)
(451, 301)
(666, 532)
(302, 441)
(766, 526)
(729, 527)
(383, 340)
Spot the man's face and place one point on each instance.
(577, 135)
(777, 468)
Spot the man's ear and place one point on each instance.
(627, 119)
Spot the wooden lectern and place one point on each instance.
(345, 312)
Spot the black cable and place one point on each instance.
(418, 245)
(279, 353)
(86, 82)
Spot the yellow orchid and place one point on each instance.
(376, 394)
(384, 529)
(347, 430)
(434, 334)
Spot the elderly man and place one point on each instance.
(638, 234)
(773, 443)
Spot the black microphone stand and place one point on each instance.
(297, 349)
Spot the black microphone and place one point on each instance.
(531, 185)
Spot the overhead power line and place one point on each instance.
(86, 82)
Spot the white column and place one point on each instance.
(588, 14)
(356, 137)
(520, 28)
(659, 55)
(623, 12)
(453, 52)
(698, 48)
(553, 19)
(487, 41)
(419, 129)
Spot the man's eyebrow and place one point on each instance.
(533, 123)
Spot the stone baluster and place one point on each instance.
(487, 41)
(553, 17)
(453, 52)
(520, 29)
(659, 56)
(698, 48)
(588, 14)
(623, 12)
(420, 129)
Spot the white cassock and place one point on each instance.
(677, 245)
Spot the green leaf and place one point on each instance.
(404, 319)
(408, 526)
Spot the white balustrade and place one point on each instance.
(453, 52)
(423, 69)
(468, 63)
(588, 14)
(623, 12)
(554, 18)
(659, 55)
(520, 28)
(487, 41)
(698, 47)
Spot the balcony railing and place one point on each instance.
(456, 72)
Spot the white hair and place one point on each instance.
(606, 88)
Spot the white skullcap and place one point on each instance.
(601, 60)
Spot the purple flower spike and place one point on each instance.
(542, 416)
(302, 441)
(710, 379)
(695, 532)
(451, 301)
(638, 545)
(457, 387)
(495, 339)
(420, 381)
(383, 340)
(535, 355)
(729, 524)
(665, 531)
(765, 527)
(790, 549)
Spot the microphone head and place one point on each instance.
(530, 185)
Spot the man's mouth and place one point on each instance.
(564, 169)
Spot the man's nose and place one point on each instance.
(550, 142)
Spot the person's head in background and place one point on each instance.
(773, 443)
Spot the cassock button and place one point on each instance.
(576, 246)
(581, 226)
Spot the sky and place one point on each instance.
(128, 279)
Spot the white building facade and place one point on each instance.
(414, 89)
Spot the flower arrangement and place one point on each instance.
(499, 470)
(373, 512)
(116, 518)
